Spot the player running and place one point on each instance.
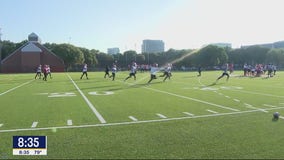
(38, 72)
(132, 71)
(199, 71)
(225, 73)
(106, 72)
(167, 72)
(113, 72)
(49, 71)
(45, 72)
(85, 71)
(154, 69)
(270, 70)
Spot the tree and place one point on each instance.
(255, 54)
(212, 55)
(104, 59)
(140, 58)
(50, 46)
(7, 48)
(235, 56)
(70, 54)
(275, 56)
(129, 56)
(89, 56)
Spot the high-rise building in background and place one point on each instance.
(113, 50)
(153, 46)
(279, 44)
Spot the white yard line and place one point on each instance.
(10, 90)
(187, 113)
(262, 94)
(281, 117)
(92, 107)
(161, 116)
(248, 105)
(138, 122)
(34, 124)
(268, 105)
(193, 99)
(236, 100)
(262, 110)
(1, 125)
(212, 111)
(133, 118)
(69, 122)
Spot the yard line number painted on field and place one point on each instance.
(72, 94)
(101, 93)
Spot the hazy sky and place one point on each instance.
(181, 24)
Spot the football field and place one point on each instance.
(185, 117)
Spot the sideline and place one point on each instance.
(135, 122)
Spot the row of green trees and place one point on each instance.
(208, 56)
(216, 56)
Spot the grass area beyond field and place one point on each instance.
(186, 117)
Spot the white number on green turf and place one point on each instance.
(62, 94)
(66, 94)
(101, 93)
(231, 87)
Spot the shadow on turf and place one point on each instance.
(190, 76)
(275, 119)
(152, 83)
(213, 84)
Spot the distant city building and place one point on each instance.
(279, 44)
(153, 46)
(113, 50)
(222, 45)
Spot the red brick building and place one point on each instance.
(26, 58)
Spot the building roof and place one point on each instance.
(34, 38)
(30, 47)
(33, 35)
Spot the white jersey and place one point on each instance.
(274, 68)
(48, 69)
(133, 69)
(38, 69)
(154, 70)
(113, 70)
(270, 67)
(85, 69)
(168, 69)
(225, 70)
